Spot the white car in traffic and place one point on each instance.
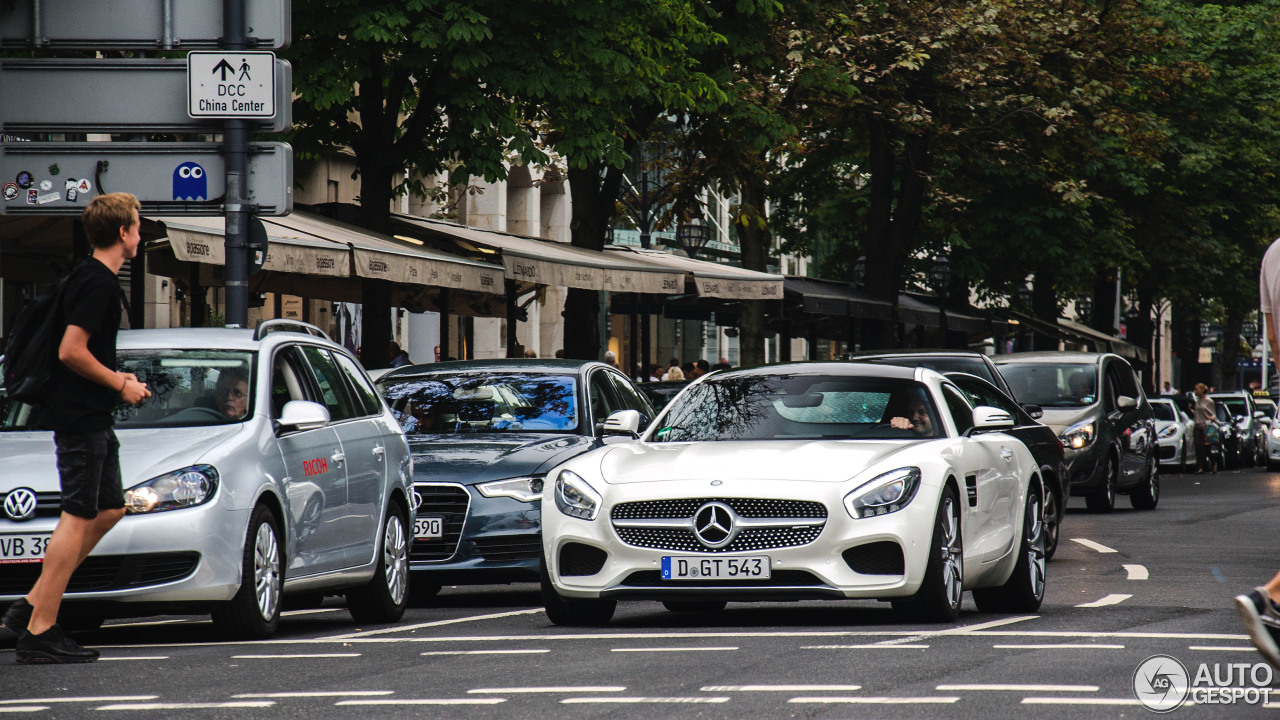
(800, 481)
(1175, 434)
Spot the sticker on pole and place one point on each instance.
(231, 85)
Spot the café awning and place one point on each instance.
(711, 279)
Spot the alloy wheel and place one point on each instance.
(395, 558)
(266, 570)
(1036, 547)
(952, 563)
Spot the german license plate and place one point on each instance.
(428, 527)
(694, 567)
(23, 548)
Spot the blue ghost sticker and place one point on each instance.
(189, 182)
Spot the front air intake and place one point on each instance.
(877, 558)
(577, 560)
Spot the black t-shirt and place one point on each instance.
(92, 302)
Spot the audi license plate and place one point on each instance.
(23, 548)
(694, 567)
(431, 528)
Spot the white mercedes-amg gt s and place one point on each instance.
(800, 481)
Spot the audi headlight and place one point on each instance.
(1169, 431)
(575, 497)
(1079, 435)
(183, 488)
(524, 489)
(886, 493)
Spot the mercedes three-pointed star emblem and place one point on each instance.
(713, 525)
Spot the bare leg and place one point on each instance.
(1273, 588)
(72, 541)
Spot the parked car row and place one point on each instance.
(935, 473)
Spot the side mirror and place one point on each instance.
(1259, 414)
(986, 417)
(301, 415)
(1035, 411)
(1124, 402)
(623, 422)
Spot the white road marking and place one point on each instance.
(1093, 545)
(189, 706)
(676, 649)
(876, 646)
(1226, 648)
(426, 701)
(484, 652)
(1112, 599)
(86, 699)
(1060, 646)
(318, 694)
(639, 700)
(23, 708)
(1136, 572)
(781, 688)
(1085, 701)
(968, 629)
(548, 689)
(136, 657)
(113, 626)
(437, 623)
(314, 611)
(1019, 688)
(928, 699)
(297, 656)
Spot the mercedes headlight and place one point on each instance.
(1169, 431)
(183, 488)
(886, 493)
(575, 497)
(524, 489)
(1079, 435)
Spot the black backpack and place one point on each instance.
(31, 354)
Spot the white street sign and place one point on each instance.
(231, 85)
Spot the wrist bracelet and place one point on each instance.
(122, 386)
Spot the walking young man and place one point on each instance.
(1258, 608)
(85, 388)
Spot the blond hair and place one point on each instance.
(106, 215)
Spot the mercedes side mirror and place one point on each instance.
(986, 417)
(623, 422)
(299, 415)
(1124, 402)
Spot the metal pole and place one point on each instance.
(1266, 348)
(235, 143)
(513, 344)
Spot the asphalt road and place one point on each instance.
(1124, 587)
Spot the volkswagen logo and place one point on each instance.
(20, 504)
(713, 524)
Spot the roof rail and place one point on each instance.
(283, 325)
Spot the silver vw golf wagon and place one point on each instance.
(263, 466)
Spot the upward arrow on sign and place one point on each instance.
(224, 67)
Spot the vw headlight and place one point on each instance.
(183, 488)
(575, 497)
(524, 489)
(1079, 435)
(886, 493)
(1275, 432)
(1169, 432)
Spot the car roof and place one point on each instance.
(850, 369)
(916, 353)
(539, 366)
(207, 338)
(1061, 356)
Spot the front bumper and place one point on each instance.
(821, 568)
(1169, 451)
(1085, 468)
(192, 555)
(486, 540)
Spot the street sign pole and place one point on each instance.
(236, 145)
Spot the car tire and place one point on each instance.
(1052, 523)
(1024, 590)
(1103, 500)
(1259, 454)
(384, 598)
(1147, 495)
(702, 606)
(938, 599)
(572, 611)
(254, 611)
(1184, 466)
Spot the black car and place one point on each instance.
(944, 361)
(483, 435)
(1095, 404)
(1041, 440)
(661, 392)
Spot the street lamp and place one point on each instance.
(940, 279)
(692, 237)
(1024, 293)
(1084, 309)
(1204, 329)
(1250, 331)
(859, 270)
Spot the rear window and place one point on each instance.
(1163, 411)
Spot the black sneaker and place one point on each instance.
(1262, 619)
(17, 616)
(52, 646)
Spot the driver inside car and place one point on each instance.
(918, 419)
(231, 393)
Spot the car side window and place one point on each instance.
(1127, 382)
(961, 412)
(287, 380)
(359, 385)
(631, 398)
(333, 390)
(601, 392)
(1110, 385)
(980, 394)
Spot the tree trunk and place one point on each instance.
(755, 244)
(1230, 351)
(594, 190)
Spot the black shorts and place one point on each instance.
(89, 467)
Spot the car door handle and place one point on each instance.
(338, 457)
(1007, 454)
(378, 450)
